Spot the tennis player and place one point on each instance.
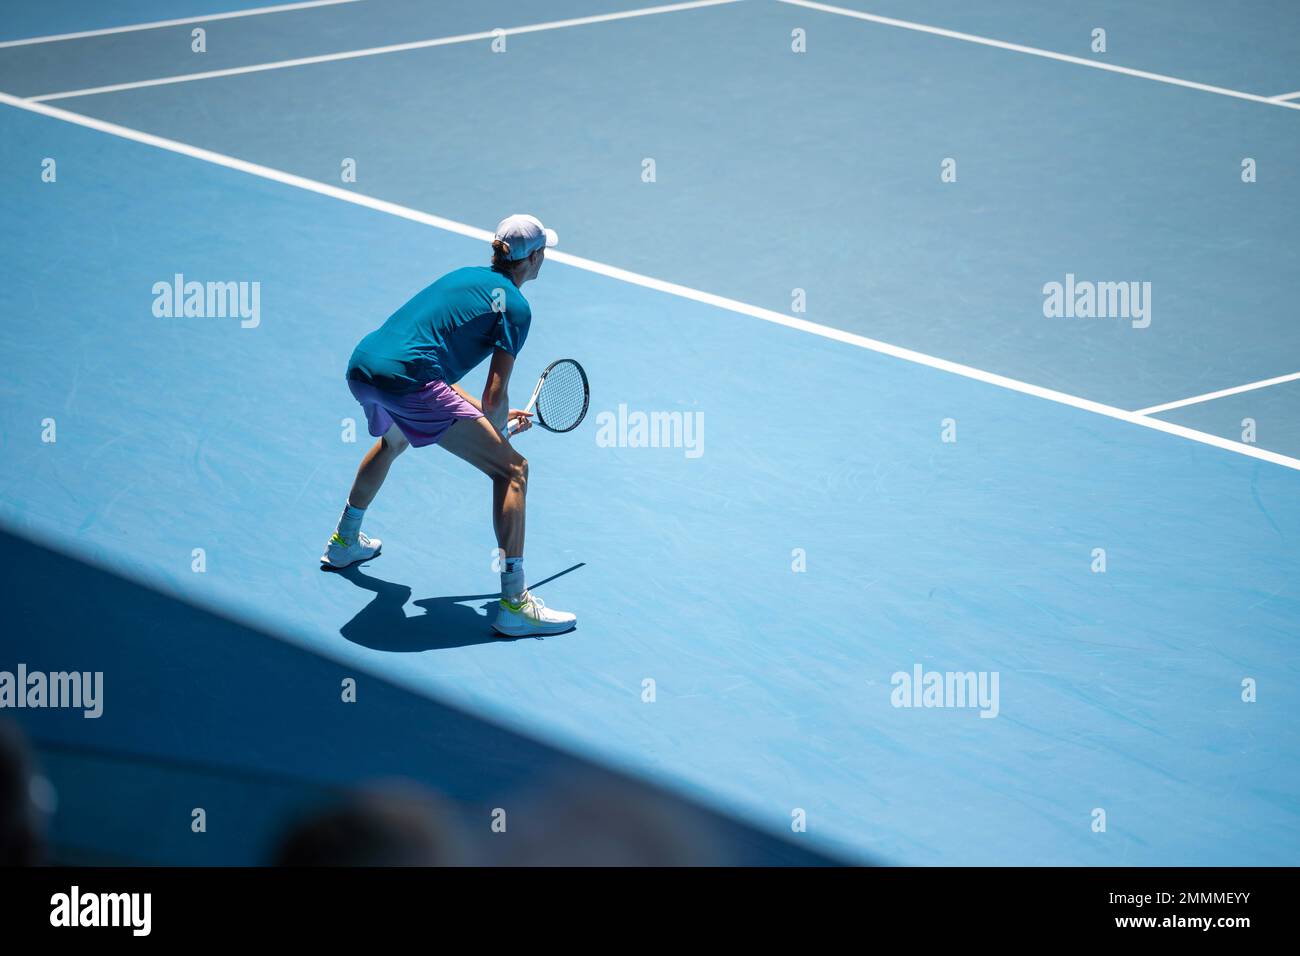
(404, 374)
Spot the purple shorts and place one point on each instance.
(422, 416)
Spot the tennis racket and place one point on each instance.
(561, 397)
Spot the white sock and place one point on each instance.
(512, 580)
(350, 523)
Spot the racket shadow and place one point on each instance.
(459, 620)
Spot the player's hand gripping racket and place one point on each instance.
(561, 397)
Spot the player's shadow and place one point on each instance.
(455, 621)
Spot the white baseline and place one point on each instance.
(158, 24)
(1048, 54)
(382, 50)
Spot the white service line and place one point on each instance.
(380, 50)
(158, 24)
(659, 285)
(1222, 393)
(1286, 96)
(1047, 54)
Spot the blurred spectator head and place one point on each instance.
(21, 822)
(391, 825)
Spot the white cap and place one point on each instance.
(524, 235)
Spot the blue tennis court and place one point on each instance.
(841, 440)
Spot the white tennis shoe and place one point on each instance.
(531, 617)
(341, 553)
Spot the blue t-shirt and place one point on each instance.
(444, 331)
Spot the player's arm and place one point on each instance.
(496, 398)
(468, 397)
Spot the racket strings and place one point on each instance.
(562, 402)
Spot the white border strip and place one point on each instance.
(1047, 54)
(671, 288)
(158, 24)
(1222, 393)
(379, 50)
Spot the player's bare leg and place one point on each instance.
(374, 467)
(477, 442)
(348, 545)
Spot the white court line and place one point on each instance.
(1222, 393)
(659, 285)
(158, 24)
(1047, 54)
(379, 50)
(1285, 96)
